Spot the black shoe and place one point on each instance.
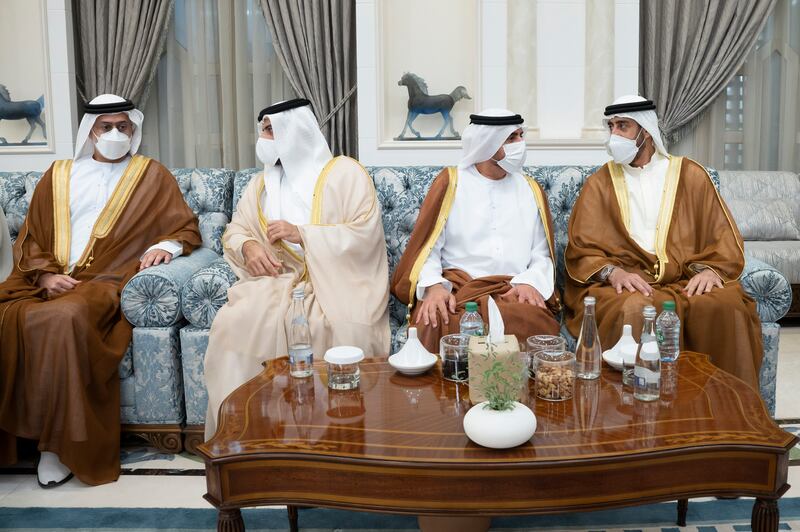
(54, 483)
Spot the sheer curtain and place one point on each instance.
(218, 70)
(755, 122)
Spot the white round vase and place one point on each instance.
(499, 429)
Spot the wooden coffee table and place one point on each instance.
(397, 446)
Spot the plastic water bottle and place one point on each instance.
(471, 322)
(647, 373)
(588, 353)
(301, 356)
(668, 333)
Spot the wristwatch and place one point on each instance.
(605, 272)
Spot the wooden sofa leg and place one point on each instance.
(193, 435)
(166, 438)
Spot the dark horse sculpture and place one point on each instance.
(30, 110)
(422, 103)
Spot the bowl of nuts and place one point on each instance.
(555, 375)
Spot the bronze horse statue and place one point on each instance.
(422, 103)
(30, 110)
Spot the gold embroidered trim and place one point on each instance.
(538, 196)
(621, 191)
(665, 214)
(727, 216)
(316, 201)
(61, 222)
(441, 220)
(115, 205)
(264, 223)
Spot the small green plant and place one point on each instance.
(502, 382)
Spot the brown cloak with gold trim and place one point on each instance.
(59, 382)
(694, 227)
(520, 319)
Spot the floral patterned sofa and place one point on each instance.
(152, 394)
(172, 306)
(401, 191)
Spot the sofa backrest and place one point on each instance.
(764, 204)
(208, 191)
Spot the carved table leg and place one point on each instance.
(230, 520)
(293, 526)
(765, 515)
(683, 507)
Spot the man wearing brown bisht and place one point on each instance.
(483, 230)
(650, 227)
(93, 222)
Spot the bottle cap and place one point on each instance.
(589, 300)
(669, 305)
(344, 354)
(649, 311)
(472, 306)
(298, 293)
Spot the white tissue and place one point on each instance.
(497, 328)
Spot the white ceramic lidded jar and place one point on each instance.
(343, 367)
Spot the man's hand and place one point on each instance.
(154, 257)
(281, 230)
(260, 262)
(622, 280)
(702, 283)
(437, 299)
(56, 283)
(524, 293)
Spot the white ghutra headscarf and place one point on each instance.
(482, 140)
(302, 149)
(106, 104)
(646, 118)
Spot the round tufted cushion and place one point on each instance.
(205, 292)
(152, 298)
(770, 289)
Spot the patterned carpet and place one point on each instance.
(707, 516)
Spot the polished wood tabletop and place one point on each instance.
(397, 444)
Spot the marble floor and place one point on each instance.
(183, 485)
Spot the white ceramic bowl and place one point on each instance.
(417, 364)
(613, 358)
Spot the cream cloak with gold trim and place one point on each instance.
(344, 272)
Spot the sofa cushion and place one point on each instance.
(212, 226)
(240, 182)
(763, 203)
(152, 298)
(206, 291)
(16, 191)
(761, 219)
(783, 255)
(206, 189)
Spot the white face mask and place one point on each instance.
(113, 144)
(623, 150)
(515, 157)
(266, 151)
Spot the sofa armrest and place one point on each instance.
(768, 287)
(152, 298)
(205, 292)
